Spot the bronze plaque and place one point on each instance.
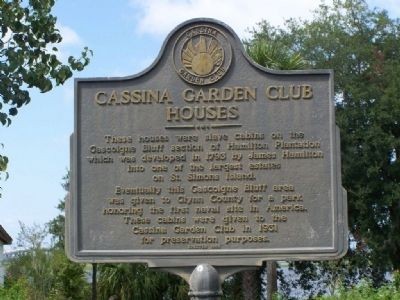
(206, 157)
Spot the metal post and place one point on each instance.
(204, 283)
(94, 281)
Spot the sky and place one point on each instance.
(125, 36)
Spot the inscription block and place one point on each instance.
(206, 157)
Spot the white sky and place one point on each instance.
(238, 14)
(126, 36)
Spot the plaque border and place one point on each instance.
(217, 257)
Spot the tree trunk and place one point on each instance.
(272, 283)
(94, 281)
(250, 285)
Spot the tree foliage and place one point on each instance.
(3, 167)
(29, 57)
(362, 46)
(136, 281)
(17, 291)
(57, 225)
(366, 291)
(125, 281)
(274, 55)
(45, 273)
(28, 53)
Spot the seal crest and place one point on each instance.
(202, 55)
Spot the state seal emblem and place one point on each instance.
(202, 55)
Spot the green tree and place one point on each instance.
(32, 265)
(39, 273)
(45, 274)
(18, 291)
(136, 281)
(28, 53)
(362, 46)
(3, 167)
(29, 57)
(271, 53)
(69, 276)
(57, 225)
(127, 281)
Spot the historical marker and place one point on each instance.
(206, 157)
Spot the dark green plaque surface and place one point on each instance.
(206, 157)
